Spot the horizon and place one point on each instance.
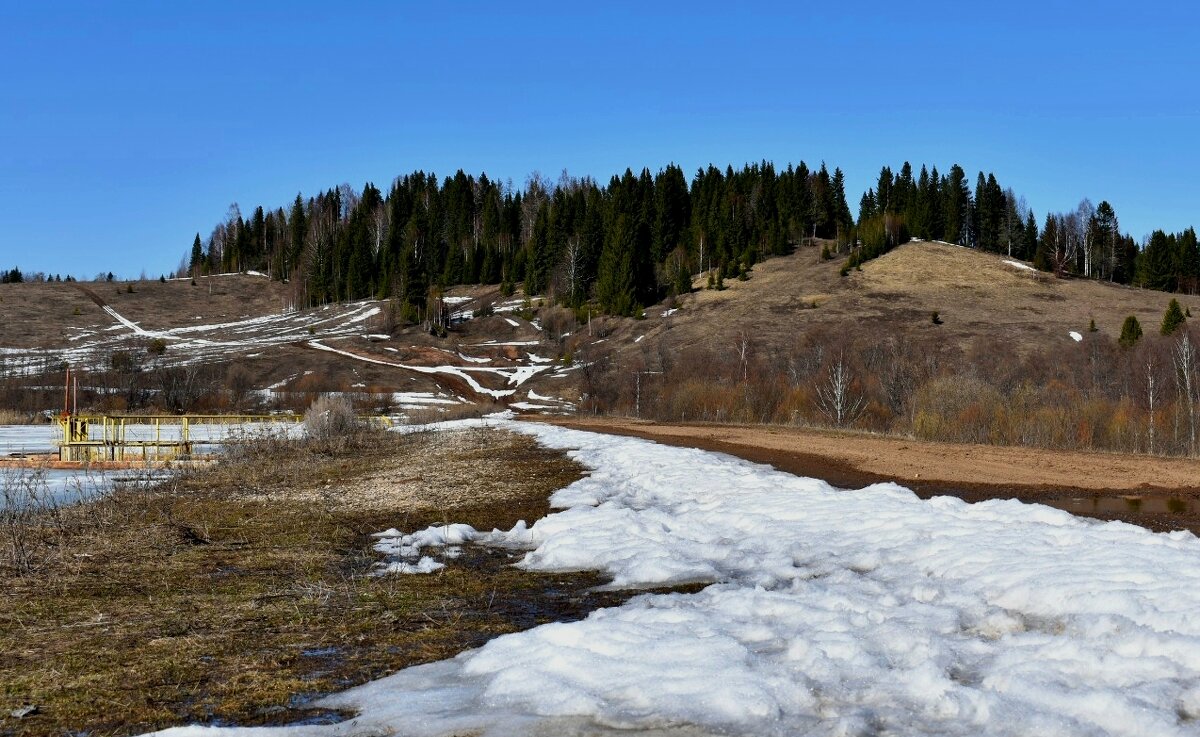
(133, 128)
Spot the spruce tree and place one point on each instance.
(197, 259)
(1172, 318)
(1131, 332)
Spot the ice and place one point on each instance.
(827, 612)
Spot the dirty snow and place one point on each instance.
(829, 613)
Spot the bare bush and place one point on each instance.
(331, 421)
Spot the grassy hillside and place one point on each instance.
(978, 296)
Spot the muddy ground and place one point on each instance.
(1161, 494)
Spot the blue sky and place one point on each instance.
(127, 127)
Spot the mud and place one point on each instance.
(1161, 494)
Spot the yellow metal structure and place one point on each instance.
(107, 437)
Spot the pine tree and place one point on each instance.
(1173, 318)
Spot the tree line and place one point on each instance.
(624, 245)
(1085, 242)
(642, 236)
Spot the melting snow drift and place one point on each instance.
(829, 612)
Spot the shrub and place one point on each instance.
(1131, 332)
(935, 318)
(1172, 318)
(487, 309)
(1092, 326)
(157, 347)
(331, 419)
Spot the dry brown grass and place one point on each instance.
(13, 417)
(237, 593)
(978, 296)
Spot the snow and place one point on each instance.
(531, 405)
(1077, 337)
(455, 301)
(364, 315)
(196, 342)
(514, 376)
(638, 339)
(424, 565)
(1019, 265)
(473, 359)
(512, 322)
(672, 311)
(828, 612)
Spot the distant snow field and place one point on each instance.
(829, 612)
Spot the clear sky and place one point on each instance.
(127, 127)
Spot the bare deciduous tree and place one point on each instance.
(838, 398)
(1184, 355)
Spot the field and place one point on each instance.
(235, 594)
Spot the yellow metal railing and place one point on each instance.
(106, 437)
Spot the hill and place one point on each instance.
(979, 297)
(242, 324)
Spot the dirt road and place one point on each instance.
(1158, 493)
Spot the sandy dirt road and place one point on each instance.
(1158, 493)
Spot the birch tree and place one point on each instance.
(837, 396)
(1184, 355)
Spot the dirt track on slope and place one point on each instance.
(1158, 493)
